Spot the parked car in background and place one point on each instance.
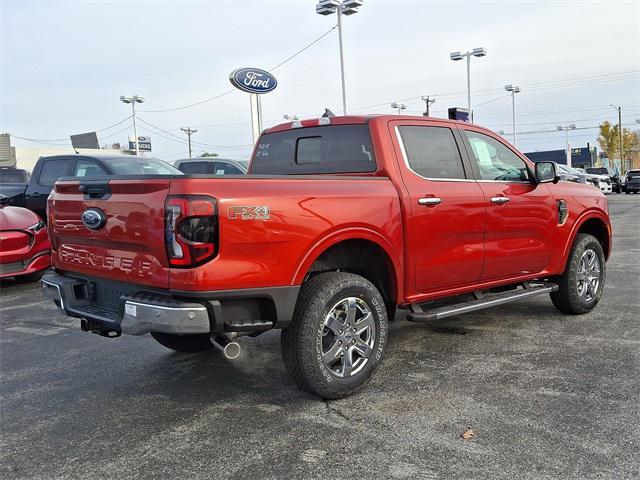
(210, 166)
(13, 182)
(632, 181)
(609, 172)
(33, 194)
(579, 175)
(25, 251)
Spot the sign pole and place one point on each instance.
(255, 116)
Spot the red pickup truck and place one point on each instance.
(339, 222)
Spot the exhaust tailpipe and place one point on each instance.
(230, 349)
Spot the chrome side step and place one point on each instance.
(492, 300)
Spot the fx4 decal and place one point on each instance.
(260, 212)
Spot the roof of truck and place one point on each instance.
(355, 120)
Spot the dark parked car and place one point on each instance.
(632, 182)
(13, 182)
(616, 184)
(210, 166)
(33, 195)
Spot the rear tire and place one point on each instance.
(184, 343)
(337, 337)
(582, 283)
(28, 278)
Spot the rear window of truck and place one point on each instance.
(315, 150)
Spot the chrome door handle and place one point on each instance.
(499, 200)
(429, 201)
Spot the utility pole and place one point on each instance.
(428, 101)
(189, 131)
(620, 133)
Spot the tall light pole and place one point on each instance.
(399, 106)
(133, 100)
(189, 131)
(476, 52)
(340, 7)
(566, 129)
(428, 102)
(619, 108)
(513, 89)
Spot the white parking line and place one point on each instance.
(37, 331)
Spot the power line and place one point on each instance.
(175, 138)
(215, 97)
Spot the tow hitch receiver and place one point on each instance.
(97, 328)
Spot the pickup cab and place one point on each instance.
(32, 192)
(339, 222)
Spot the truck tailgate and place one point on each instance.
(130, 246)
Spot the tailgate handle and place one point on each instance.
(98, 189)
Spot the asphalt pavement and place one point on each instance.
(546, 395)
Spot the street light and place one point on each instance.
(293, 118)
(133, 100)
(399, 106)
(476, 52)
(513, 89)
(340, 7)
(566, 129)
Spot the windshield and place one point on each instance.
(598, 170)
(141, 166)
(633, 173)
(13, 176)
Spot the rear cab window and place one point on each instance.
(315, 150)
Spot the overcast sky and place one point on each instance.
(65, 64)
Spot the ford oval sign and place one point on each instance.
(94, 218)
(253, 80)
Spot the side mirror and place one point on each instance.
(546, 172)
(4, 200)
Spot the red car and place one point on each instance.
(25, 251)
(339, 222)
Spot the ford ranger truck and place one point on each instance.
(339, 222)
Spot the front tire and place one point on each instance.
(184, 343)
(582, 283)
(337, 336)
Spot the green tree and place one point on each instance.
(209, 154)
(609, 139)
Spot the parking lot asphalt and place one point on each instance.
(546, 395)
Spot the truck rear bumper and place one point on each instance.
(110, 306)
(134, 315)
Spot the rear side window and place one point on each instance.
(224, 168)
(88, 168)
(311, 150)
(196, 168)
(432, 152)
(52, 170)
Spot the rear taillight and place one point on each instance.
(190, 229)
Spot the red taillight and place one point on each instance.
(190, 229)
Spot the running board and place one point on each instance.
(418, 315)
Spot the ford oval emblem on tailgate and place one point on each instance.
(94, 218)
